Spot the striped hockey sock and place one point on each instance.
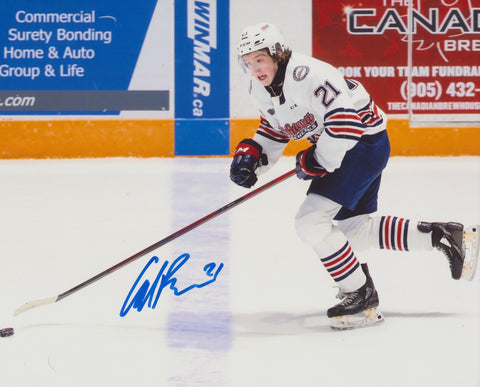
(393, 233)
(342, 264)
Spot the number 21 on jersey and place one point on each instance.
(327, 93)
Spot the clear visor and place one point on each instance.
(241, 61)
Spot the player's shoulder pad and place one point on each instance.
(307, 67)
(298, 67)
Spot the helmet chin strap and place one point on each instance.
(275, 89)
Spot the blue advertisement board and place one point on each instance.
(72, 57)
(202, 106)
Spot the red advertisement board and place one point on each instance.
(369, 39)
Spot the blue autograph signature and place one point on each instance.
(146, 293)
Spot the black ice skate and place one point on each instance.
(459, 244)
(358, 308)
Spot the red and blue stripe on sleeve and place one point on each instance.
(266, 130)
(344, 123)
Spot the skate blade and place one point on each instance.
(471, 246)
(363, 319)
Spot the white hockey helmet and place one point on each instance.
(259, 36)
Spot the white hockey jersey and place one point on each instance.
(319, 104)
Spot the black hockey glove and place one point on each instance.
(307, 166)
(246, 159)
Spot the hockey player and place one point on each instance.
(301, 97)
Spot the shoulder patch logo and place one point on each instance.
(300, 72)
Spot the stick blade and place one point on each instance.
(35, 304)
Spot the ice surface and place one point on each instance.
(263, 321)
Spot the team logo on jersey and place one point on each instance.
(300, 72)
(298, 129)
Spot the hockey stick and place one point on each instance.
(164, 241)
